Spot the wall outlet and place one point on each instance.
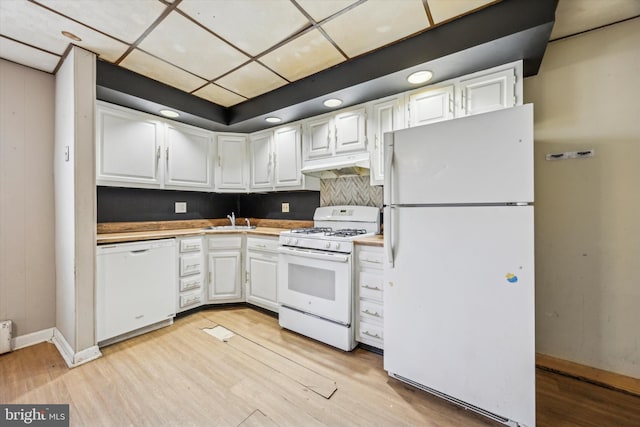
(285, 207)
(181, 207)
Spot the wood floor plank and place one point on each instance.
(180, 375)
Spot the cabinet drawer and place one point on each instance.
(230, 242)
(190, 264)
(259, 244)
(371, 331)
(370, 285)
(370, 309)
(189, 283)
(190, 299)
(367, 257)
(191, 245)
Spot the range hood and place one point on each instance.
(338, 166)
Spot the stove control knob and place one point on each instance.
(295, 241)
(327, 245)
(287, 242)
(337, 246)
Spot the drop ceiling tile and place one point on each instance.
(147, 65)
(573, 17)
(376, 23)
(251, 80)
(251, 25)
(26, 55)
(123, 19)
(320, 10)
(303, 56)
(36, 26)
(183, 43)
(219, 95)
(442, 10)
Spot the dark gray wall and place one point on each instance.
(117, 204)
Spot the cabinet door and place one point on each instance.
(386, 116)
(262, 279)
(318, 138)
(487, 93)
(128, 148)
(187, 156)
(430, 106)
(287, 157)
(261, 156)
(350, 133)
(224, 276)
(231, 162)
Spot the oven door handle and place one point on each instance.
(326, 256)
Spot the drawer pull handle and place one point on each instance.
(373, 313)
(370, 334)
(373, 288)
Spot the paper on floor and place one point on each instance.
(223, 334)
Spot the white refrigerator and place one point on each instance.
(459, 275)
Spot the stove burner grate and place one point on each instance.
(346, 232)
(312, 230)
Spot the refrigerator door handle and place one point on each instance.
(388, 231)
(388, 163)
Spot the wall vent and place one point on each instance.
(6, 327)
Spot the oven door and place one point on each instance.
(316, 282)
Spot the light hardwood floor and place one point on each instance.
(181, 376)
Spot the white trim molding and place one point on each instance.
(33, 338)
(70, 357)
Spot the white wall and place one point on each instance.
(587, 96)
(27, 268)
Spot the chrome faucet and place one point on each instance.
(232, 218)
(248, 222)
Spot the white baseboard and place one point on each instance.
(70, 357)
(31, 339)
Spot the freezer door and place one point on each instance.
(486, 158)
(459, 305)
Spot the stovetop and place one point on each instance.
(335, 228)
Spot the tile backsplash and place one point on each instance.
(351, 190)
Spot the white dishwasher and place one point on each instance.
(136, 286)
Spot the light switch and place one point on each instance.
(181, 207)
(285, 207)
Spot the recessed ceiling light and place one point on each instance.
(169, 113)
(71, 36)
(273, 119)
(420, 77)
(332, 102)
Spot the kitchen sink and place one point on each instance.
(230, 227)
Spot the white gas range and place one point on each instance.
(315, 273)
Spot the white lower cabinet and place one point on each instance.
(191, 273)
(224, 268)
(262, 272)
(369, 296)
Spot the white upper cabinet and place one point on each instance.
(350, 133)
(335, 134)
(128, 148)
(261, 154)
(318, 141)
(287, 157)
(430, 105)
(276, 160)
(487, 92)
(385, 115)
(188, 157)
(231, 163)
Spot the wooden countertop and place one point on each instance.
(377, 240)
(116, 232)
